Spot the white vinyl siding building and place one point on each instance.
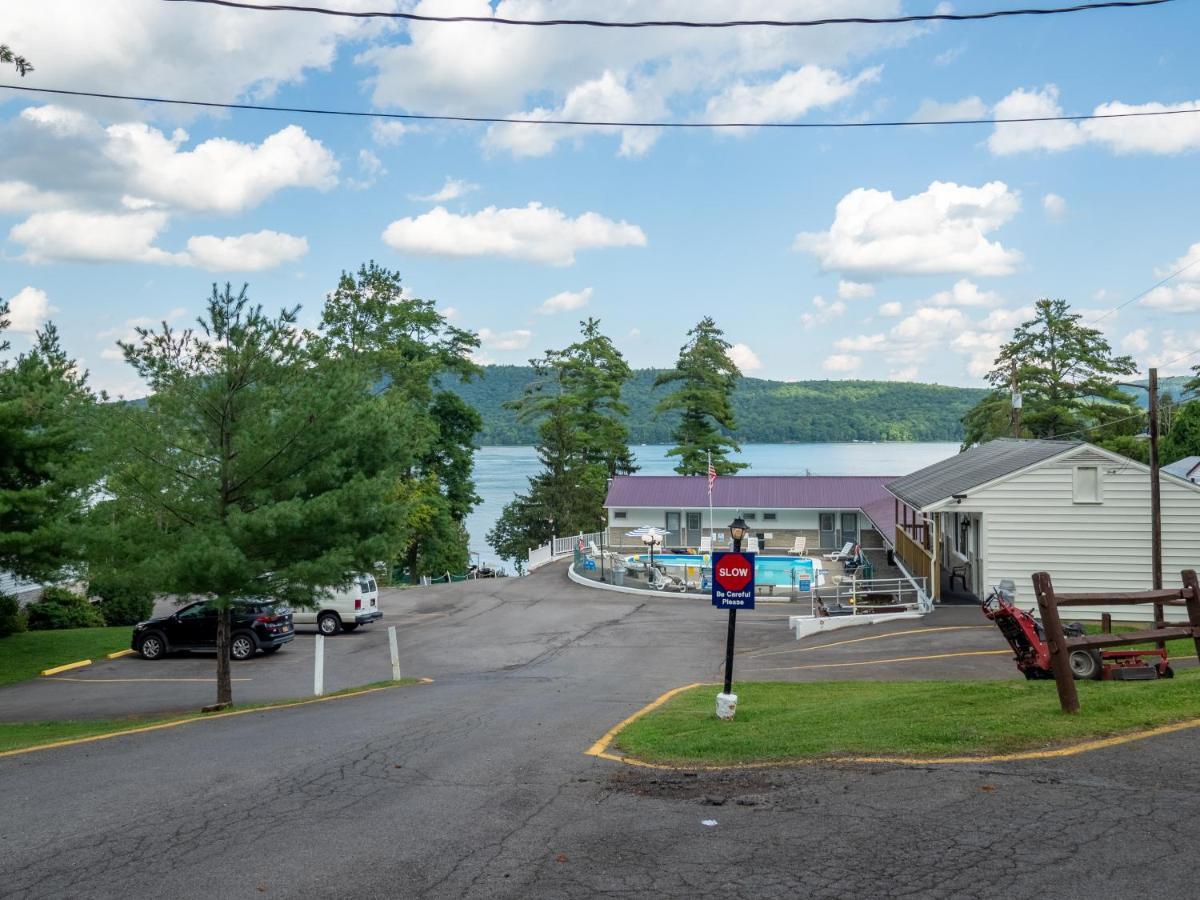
(1082, 514)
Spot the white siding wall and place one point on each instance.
(1032, 524)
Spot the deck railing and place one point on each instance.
(558, 547)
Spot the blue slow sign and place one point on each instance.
(733, 580)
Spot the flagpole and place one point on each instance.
(711, 536)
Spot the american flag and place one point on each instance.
(712, 475)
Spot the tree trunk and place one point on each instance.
(224, 681)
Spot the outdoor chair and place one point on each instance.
(594, 550)
(799, 548)
(845, 553)
(661, 581)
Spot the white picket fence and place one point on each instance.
(558, 547)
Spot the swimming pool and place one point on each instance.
(776, 570)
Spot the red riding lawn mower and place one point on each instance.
(1025, 635)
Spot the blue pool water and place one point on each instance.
(776, 570)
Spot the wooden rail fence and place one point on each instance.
(1061, 646)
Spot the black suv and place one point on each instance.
(256, 625)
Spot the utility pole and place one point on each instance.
(1016, 402)
(1155, 500)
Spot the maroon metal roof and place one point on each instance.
(759, 492)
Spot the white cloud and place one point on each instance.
(1176, 353)
(1182, 293)
(941, 230)
(841, 362)
(604, 99)
(908, 373)
(370, 170)
(219, 174)
(1137, 341)
(1163, 135)
(854, 290)
(891, 309)
(177, 48)
(450, 313)
(954, 110)
(388, 132)
(745, 358)
(861, 342)
(534, 232)
(452, 189)
(1054, 205)
(71, 235)
(786, 98)
(964, 293)
(662, 71)
(28, 310)
(518, 339)
(20, 196)
(247, 252)
(564, 301)
(948, 56)
(825, 311)
(930, 325)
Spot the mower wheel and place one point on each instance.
(1168, 672)
(1085, 665)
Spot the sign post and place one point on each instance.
(732, 589)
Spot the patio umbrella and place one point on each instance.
(650, 535)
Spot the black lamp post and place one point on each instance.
(737, 531)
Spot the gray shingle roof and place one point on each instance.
(1187, 468)
(968, 470)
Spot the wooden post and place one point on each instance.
(1192, 584)
(1106, 623)
(1060, 657)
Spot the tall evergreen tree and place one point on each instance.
(1066, 373)
(411, 349)
(583, 441)
(705, 378)
(256, 469)
(45, 466)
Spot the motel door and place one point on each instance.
(692, 538)
(849, 529)
(827, 537)
(672, 538)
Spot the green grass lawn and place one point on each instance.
(18, 735)
(781, 721)
(25, 655)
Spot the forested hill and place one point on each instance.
(767, 411)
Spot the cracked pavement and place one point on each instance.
(477, 785)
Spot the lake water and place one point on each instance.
(502, 472)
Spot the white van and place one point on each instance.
(345, 609)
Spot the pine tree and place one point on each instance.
(582, 443)
(45, 467)
(1066, 373)
(256, 469)
(706, 378)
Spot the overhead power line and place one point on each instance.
(586, 123)
(679, 23)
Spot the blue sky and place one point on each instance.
(854, 253)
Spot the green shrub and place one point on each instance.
(12, 620)
(60, 608)
(121, 604)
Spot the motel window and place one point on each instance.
(1087, 484)
(769, 517)
(619, 514)
(750, 517)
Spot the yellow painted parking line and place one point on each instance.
(879, 662)
(174, 723)
(144, 680)
(874, 637)
(119, 654)
(67, 668)
(600, 748)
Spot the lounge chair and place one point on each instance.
(594, 550)
(661, 581)
(845, 553)
(799, 548)
(706, 544)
